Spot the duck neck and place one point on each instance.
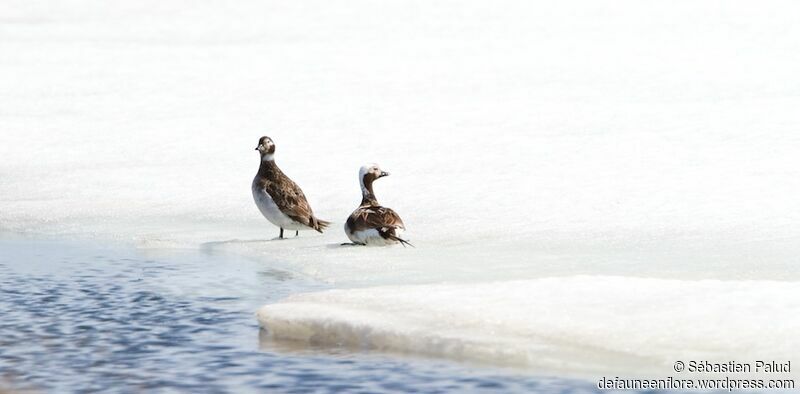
(367, 195)
(267, 165)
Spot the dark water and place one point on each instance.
(89, 318)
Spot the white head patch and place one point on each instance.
(367, 168)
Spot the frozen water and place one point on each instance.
(574, 325)
(638, 143)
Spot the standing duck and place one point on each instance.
(278, 198)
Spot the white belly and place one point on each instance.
(270, 211)
(370, 237)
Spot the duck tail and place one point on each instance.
(401, 240)
(319, 224)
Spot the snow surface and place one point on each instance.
(527, 142)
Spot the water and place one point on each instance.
(88, 318)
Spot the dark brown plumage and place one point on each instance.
(279, 198)
(371, 223)
(384, 220)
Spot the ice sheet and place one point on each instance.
(527, 141)
(580, 325)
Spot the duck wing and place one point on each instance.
(291, 201)
(384, 220)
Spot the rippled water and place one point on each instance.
(78, 317)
